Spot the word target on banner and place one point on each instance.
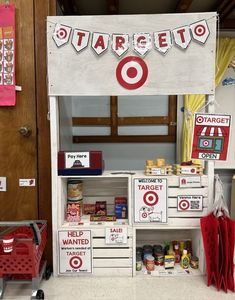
(151, 198)
(132, 72)
(75, 262)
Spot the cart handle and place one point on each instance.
(30, 223)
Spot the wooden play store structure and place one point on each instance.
(85, 59)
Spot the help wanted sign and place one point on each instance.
(75, 251)
(150, 200)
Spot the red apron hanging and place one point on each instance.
(7, 55)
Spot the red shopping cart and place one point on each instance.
(21, 248)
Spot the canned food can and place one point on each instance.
(74, 190)
(73, 211)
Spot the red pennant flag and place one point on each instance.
(7, 55)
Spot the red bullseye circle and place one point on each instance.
(144, 215)
(200, 30)
(199, 119)
(205, 143)
(75, 262)
(184, 204)
(151, 198)
(132, 72)
(61, 33)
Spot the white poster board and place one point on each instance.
(75, 251)
(150, 200)
(87, 63)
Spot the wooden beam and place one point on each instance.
(151, 120)
(124, 121)
(100, 121)
(172, 113)
(114, 115)
(68, 7)
(112, 7)
(183, 6)
(125, 139)
(227, 24)
(225, 9)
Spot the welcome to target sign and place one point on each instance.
(75, 251)
(150, 200)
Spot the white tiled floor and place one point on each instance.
(71, 288)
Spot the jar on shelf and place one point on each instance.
(150, 265)
(139, 262)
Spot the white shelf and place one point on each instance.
(160, 271)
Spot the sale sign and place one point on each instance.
(150, 200)
(211, 136)
(116, 235)
(75, 254)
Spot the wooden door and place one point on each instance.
(28, 157)
(18, 153)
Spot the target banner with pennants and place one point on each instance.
(190, 203)
(211, 136)
(150, 200)
(75, 251)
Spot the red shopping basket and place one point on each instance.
(27, 251)
(21, 248)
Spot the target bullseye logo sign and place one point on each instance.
(132, 72)
(61, 34)
(75, 262)
(184, 204)
(151, 198)
(199, 30)
(205, 143)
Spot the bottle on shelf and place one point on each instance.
(177, 254)
(184, 260)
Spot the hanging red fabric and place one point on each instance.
(7, 55)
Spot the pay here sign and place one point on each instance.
(150, 200)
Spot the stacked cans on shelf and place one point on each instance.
(74, 200)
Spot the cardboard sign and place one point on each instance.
(190, 181)
(75, 254)
(150, 200)
(189, 203)
(116, 235)
(211, 136)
